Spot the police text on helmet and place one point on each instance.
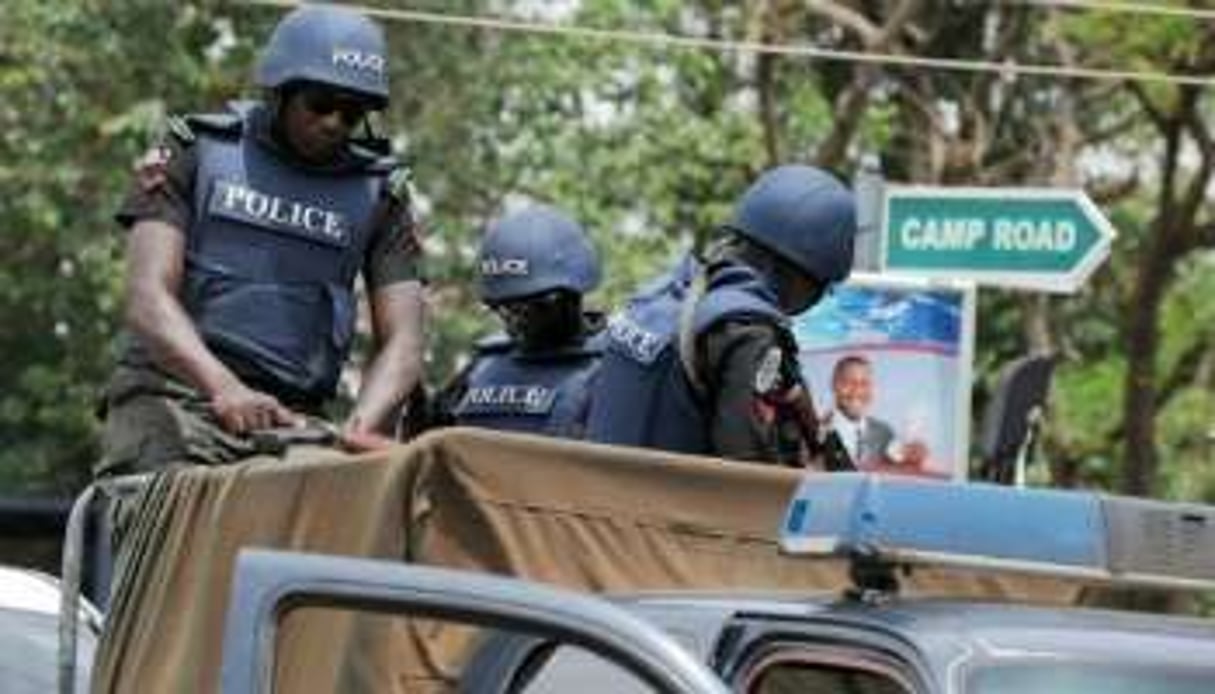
(358, 60)
(498, 267)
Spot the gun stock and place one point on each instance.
(822, 444)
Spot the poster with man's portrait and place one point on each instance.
(889, 362)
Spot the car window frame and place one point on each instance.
(268, 584)
(838, 656)
(533, 661)
(762, 633)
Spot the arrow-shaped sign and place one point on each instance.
(1030, 238)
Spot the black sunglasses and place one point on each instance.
(323, 102)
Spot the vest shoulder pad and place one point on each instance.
(189, 128)
(494, 344)
(736, 292)
(735, 305)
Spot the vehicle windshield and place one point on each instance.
(1090, 678)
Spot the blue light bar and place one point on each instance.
(1066, 534)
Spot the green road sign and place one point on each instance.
(1031, 238)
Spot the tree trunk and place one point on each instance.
(850, 111)
(766, 28)
(1063, 144)
(765, 80)
(1036, 324)
(1139, 398)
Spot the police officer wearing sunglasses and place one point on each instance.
(242, 258)
(533, 269)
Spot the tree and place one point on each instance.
(648, 146)
(83, 92)
(1176, 223)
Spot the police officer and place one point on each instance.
(241, 259)
(532, 270)
(702, 360)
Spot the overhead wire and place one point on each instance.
(1117, 7)
(1006, 69)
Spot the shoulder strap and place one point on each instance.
(687, 336)
(187, 129)
(373, 154)
(374, 161)
(495, 343)
(179, 128)
(226, 124)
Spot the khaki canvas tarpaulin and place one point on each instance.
(590, 517)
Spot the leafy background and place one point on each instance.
(648, 146)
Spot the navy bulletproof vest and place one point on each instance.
(273, 253)
(535, 393)
(643, 398)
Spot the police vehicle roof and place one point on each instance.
(947, 643)
(941, 628)
(922, 614)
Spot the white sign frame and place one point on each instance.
(967, 294)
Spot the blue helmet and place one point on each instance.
(330, 45)
(537, 250)
(803, 214)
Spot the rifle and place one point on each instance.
(419, 413)
(315, 432)
(822, 443)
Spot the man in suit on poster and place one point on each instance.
(870, 441)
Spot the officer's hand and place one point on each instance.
(364, 442)
(241, 409)
(151, 169)
(358, 438)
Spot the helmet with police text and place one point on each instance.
(537, 250)
(804, 215)
(329, 45)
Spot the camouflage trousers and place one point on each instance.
(155, 424)
(150, 426)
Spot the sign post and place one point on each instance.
(1041, 239)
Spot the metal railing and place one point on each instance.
(79, 557)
